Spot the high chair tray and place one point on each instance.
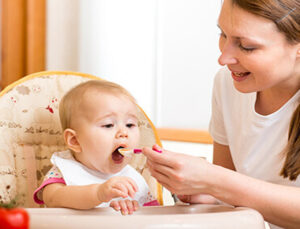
(169, 217)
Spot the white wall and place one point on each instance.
(62, 38)
(163, 51)
(187, 61)
(118, 43)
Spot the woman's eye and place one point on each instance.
(108, 126)
(246, 49)
(222, 35)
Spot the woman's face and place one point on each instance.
(257, 54)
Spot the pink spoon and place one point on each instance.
(128, 152)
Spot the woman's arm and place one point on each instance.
(222, 156)
(187, 175)
(258, 194)
(278, 204)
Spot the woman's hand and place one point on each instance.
(179, 173)
(198, 199)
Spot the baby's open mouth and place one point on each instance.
(116, 156)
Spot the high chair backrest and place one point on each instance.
(30, 132)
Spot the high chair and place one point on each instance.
(30, 132)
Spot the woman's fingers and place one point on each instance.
(165, 173)
(160, 177)
(181, 174)
(184, 198)
(165, 158)
(163, 179)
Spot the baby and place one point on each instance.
(98, 118)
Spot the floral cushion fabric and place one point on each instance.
(30, 132)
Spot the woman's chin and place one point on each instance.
(242, 89)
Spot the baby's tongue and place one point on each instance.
(116, 156)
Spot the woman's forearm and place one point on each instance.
(278, 204)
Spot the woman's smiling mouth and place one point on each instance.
(239, 76)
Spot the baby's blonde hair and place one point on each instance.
(72, 99)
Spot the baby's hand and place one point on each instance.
(126, 206)
(117, 187)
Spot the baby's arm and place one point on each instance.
(88, 196)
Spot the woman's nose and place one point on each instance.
(227, 56)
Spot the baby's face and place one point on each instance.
(104, 123)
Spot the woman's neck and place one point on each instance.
(271, 100)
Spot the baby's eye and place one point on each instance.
(108, 126)
(130, 125)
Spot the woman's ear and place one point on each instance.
(71, 140)
(298, 51)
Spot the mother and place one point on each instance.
(255, 119)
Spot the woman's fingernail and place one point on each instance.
(157, 148)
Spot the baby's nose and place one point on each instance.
(122, 133)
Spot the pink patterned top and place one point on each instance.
(55, 176)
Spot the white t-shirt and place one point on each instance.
(75, 173)
(255, 141)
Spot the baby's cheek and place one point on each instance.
(127, 160)
(136, 138)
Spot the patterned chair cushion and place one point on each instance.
(30, 132)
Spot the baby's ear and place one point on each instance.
(71, 140)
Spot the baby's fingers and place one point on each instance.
(119, 191)
(131, 190)
(129, 186)
(115, 205)
(123, 207)
(132, 185)
(135, 205)
(128, 206)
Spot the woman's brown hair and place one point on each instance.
(286, 16)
